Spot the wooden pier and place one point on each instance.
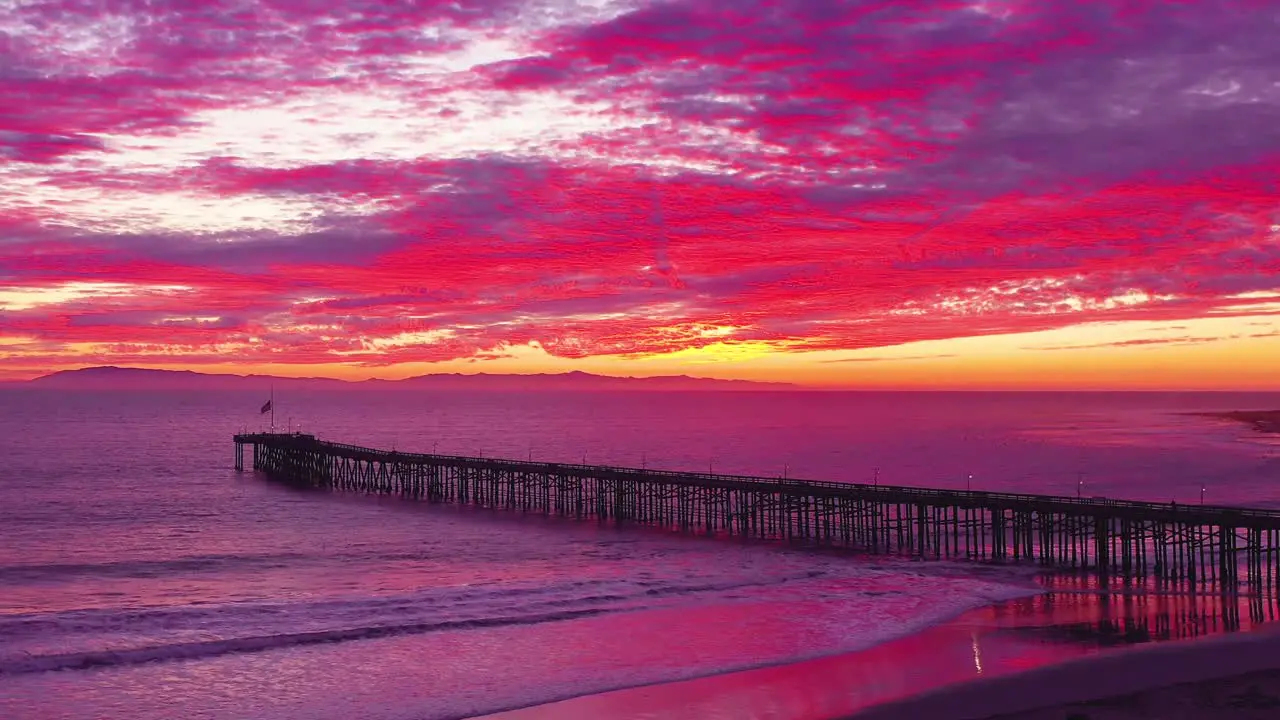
(1224, 549)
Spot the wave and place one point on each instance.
(166, 652)
(288, 624)
(144, 568)
(92, 638)
(479, 599)
(211, 648)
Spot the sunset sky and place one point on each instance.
(888, 193)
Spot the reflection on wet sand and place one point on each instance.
(1070, 620)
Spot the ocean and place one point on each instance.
(142, 577)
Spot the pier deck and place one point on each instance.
(1200, 546)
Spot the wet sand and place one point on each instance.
(1005, 642)
(1252, 696)
(1229, 677)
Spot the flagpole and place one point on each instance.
(272, 400)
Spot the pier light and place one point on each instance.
(968, 483)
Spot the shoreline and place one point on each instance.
(1262, 421)
(555, 707)
(1003, 640)
(1157, 667)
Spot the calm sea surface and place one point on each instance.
(142, 577)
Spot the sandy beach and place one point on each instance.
(1037, 656)
(1225, 677)
(1251, 696)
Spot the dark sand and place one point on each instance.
(1231, 677)
(1252, 696)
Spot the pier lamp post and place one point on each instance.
(710, 467)
(434, 444)
(875, 478)
(1201, 493)
(784, 471)
(1079, 486)
(642, 461)
(968, 483)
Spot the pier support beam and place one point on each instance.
(1134, 541)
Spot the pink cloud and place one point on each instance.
(816, 174)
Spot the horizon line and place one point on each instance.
(757, 385)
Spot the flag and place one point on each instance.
(265, 408)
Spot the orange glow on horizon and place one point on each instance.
(1143, 357)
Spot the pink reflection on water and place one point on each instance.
(1005, 638)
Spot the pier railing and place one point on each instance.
(1132, 541)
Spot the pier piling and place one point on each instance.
(1168, 545)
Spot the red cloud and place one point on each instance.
(813, 174)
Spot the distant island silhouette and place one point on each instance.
(1266, 421)
(111, 377)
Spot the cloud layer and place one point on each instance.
(385, 182)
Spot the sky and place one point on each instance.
(839, 193)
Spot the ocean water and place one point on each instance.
(141, 576)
